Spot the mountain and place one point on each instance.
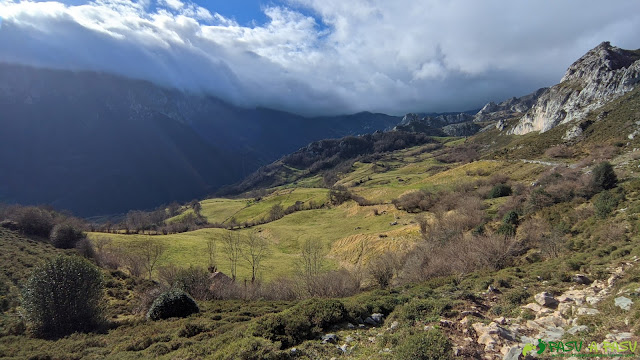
(98, 144)
(469, 123)
(601, 75)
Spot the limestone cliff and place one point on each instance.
(601, 75)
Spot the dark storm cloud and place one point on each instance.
(394, 57)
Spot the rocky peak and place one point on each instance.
(601, 75)
(601, 59)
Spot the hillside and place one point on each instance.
(100, 144)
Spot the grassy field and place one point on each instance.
(224, 211)
(284, 235)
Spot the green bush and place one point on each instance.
(517, 296)
(63, 296)
(421, 309)
(173, 303)
(429, 345)
(511, 218)
(605, 203)
(252, 348)
(499, 191)
(305, 321)
(65, 236)
(603, 177)
(507, 230)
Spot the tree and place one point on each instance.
(311, 257)
(383, 268)
(196, 206)
(62, 296)
(212, 250)
(276, 212)
(256, 248)
(231, 245)
(603, 177)
(151, 253)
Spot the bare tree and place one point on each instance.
(311, 258)
(256, 248)
(231, 245)
(212, 251)
(151, 252)
(383, 268)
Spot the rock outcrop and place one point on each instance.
(508, 108)
(601, 75)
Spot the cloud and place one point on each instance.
(325, 56)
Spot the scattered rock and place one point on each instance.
(330, 338)
(492, 289)
(394, 325)
(618, 337)
(587, 311)
(343, 348)
(378, 318)
(623, 303)
(545, 299)
(592, 300)
(393, 223)
(349, 339)
(581, 279)
(577, 329)
(350, 326)
(369, 321)
(472, 313)
(501, 320)
(446, 323)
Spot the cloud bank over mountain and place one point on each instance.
(324, 56)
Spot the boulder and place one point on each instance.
(623, 303)
(545, 299)
(581, 279)
(330, 338)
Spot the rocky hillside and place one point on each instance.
(466, 124)
(601, 75)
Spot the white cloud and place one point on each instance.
(391, 56)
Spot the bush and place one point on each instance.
(305, 321)
(603, 177)
(65, 236)
(34, 221)
(173, 303)
(421, 310)
(193, 280)
(63, 296)
(605, 203)
(415, 201)
(425, 346)
(499, 190)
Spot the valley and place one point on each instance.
(405, 244)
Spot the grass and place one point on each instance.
(285, 237)
(223, 211)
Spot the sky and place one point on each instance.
(322, 57)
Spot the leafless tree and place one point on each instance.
(231, 245)
(212, 251)
(151, 252)
(256, 248)
(311, 261)
(383, 268)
